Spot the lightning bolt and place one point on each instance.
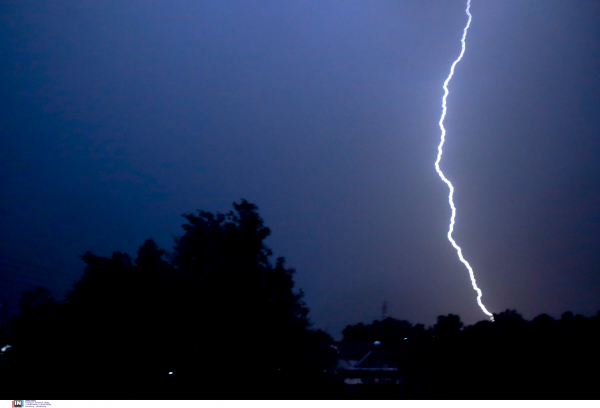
(437, 168)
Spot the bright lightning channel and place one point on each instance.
(437, 168)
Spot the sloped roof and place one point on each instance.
(353, 350)
(371, 355)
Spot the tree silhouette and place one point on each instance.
(215, 318)
(219, 318)
(237, 304)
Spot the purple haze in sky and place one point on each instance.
(118, 117)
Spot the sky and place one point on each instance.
(118, 117)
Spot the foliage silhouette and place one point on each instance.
(510, 358)
(219, 318)
(217, 311)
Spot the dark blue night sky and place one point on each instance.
(118, 117)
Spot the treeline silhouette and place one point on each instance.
(218, 318)
(509, 358)
(214, 318)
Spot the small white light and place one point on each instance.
(405, 338)
(5, 348)
(170, 372)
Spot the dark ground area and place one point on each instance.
(217, 318)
